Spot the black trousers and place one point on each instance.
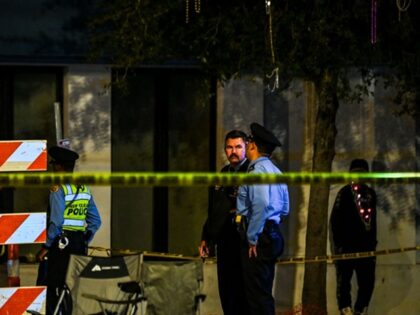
(41, 279)
(58, 260)
(258, 272)
(229, 271)
(365, 275)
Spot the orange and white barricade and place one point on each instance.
(22, 300)
(22, 228)
(25, 155)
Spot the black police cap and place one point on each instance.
(62, 154)
(359, 165)
(262, 135)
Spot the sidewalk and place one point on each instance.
(28, 274)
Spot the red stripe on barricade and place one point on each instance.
(20, 301)
(7, 149)
(9, 224)
(42, 238)
(40, 164)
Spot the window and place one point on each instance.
(162, 122)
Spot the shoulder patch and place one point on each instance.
(54, 188)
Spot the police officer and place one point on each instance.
(220, 229)
(73, 221)
(260, 209)
(353, 227)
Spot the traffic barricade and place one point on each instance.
(21, 228)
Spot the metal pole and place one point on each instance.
(57, 116)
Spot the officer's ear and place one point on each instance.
(252, 146)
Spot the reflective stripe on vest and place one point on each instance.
(77, 202)
(70, 222)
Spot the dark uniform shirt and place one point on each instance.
(222, 205)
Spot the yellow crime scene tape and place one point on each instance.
(283, 261)
(138, 179)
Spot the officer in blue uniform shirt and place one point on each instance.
(72, 223)
(260, 209)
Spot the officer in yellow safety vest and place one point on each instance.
(72, 222)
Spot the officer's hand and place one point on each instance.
(41, 255)
(283, 218)
(88, 236)
(203, 249)
(252, 251)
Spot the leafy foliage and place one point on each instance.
(224, 38)
(400, 52)
(231, 37)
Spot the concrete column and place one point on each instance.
(87, 123)
(239, 103)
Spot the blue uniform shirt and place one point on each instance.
(260, 203)
(57, 206)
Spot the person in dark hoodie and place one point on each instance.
(353, 228)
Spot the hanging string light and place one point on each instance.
(197, 6)
(267, 6)
(373, 15)
(187, 11)
(402, 6)
(275, 72)
(270, 29)
(197, 9)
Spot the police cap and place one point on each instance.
(359, 165)
(264, 136)
(62, 154)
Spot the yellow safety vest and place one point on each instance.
(77, 201)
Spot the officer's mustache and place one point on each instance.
(233, 155)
